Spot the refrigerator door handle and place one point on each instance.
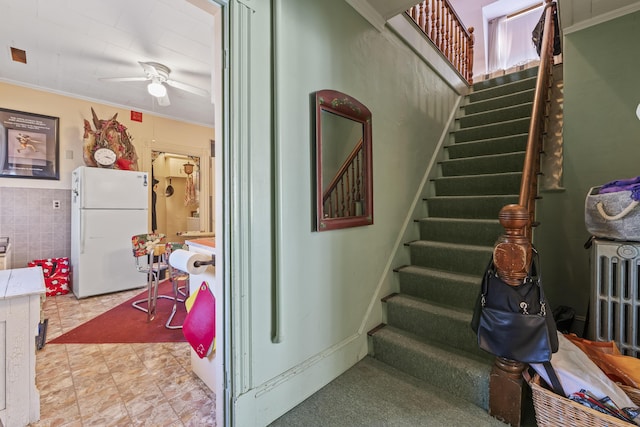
(82, 233)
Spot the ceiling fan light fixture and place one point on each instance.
(156, 89)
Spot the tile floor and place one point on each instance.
(115, 384)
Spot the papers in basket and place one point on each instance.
(577, 374)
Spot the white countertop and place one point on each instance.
(21, 282)
(204, 244)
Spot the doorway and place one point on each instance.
(176, 198)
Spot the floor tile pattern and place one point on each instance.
(115, 384)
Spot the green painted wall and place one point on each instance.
(331, 281)
(601, 138)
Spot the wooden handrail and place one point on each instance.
(514, 269)
(441, 24)
(513, 251)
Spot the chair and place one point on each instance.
(176, 276)
(151, 259)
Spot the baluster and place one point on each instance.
(449, 35)
(348, 200)
(434, 20)
(470, 56)
(445, 21)
(438, 23)
(359, 176)
(339, 200)
(422, 17)
(449, 21)
(412, 13)
(458, 40)
(436, 40)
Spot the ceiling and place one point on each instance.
(71, 44)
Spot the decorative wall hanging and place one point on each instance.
(109, 145)
(29, 145)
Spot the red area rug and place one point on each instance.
(125, 324)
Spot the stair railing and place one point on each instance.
(440, 23)
(513, 251)
(344, 193)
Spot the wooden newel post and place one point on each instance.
(512, 258)
(512, 253)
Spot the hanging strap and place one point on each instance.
(555, 382)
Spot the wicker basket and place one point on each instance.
(553, 410)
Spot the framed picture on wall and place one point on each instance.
(29, 145)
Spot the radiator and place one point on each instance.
(615, 294)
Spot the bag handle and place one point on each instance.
(621, 215)
(534, 275)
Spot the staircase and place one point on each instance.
(427, 333)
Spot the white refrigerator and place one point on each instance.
(108, 207)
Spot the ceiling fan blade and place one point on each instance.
(164, 101)
(123, 79)
(188, 88)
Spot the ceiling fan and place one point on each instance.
(158, 74)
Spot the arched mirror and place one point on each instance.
(344, 178)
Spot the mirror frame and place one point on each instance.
(343, 105)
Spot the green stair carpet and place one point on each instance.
(427, 333)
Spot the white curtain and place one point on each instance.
(498, 44)
(519, 28)
(509, 40)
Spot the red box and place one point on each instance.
(56, 274)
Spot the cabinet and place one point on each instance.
(20, 296)
(211, 368)
(176, 168)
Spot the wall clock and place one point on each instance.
(105, 157)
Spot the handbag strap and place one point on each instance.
(534, 275)
(537, 270)
(485, 280)
(555, 381)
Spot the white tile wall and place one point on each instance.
(36, 230)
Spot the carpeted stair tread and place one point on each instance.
(438, 286)
(487, 184)
(459, 373)
(437, 323)
(506, 78)
(479, 207)
(495, 91)
(492, 130)
(525, 96)
(484, 147)
(503, 114)
(457, 258)
(460, 230)
(428, 333)
(482, 165)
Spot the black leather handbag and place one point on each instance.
(515, 322)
